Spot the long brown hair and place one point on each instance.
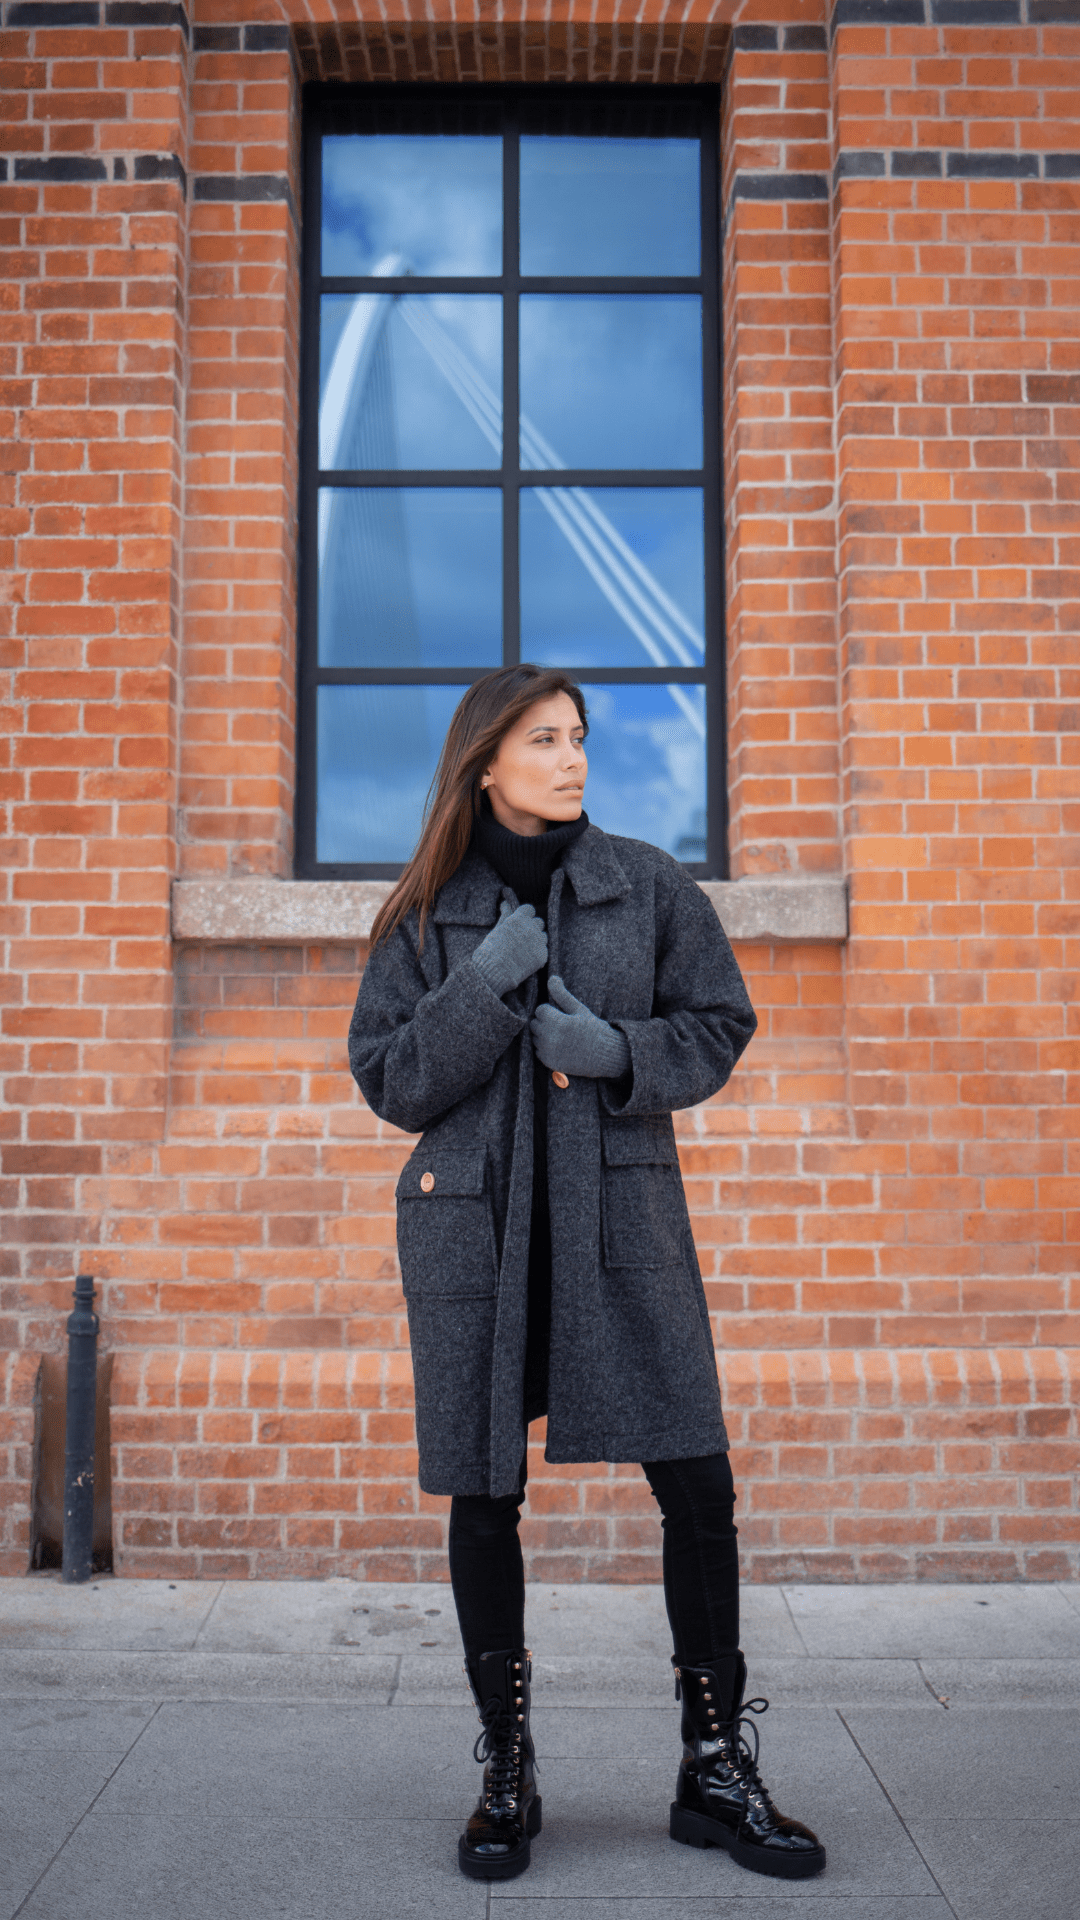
(490, 708)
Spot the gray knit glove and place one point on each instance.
(574, 1040)
(515, 948)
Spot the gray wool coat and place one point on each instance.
(436, 1052)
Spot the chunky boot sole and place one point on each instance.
(501, 1866)
(697, 1830)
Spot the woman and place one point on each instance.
(539, 998)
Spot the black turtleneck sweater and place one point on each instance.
(526, 862)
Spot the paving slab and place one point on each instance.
(1004, 1683)
(992, 1802)
(262, 1760)
(317, 1616)
(44, 1794)
(186, 1866)
(199, 1676)
(775, 1906)
(991, 1870)
(76, 1725)
(972, 1765)
(922, 1622)
(106, 1615)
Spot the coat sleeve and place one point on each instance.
(418, 1047)
(702, 1019)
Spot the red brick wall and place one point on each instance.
(882, 1198)
(94, 225)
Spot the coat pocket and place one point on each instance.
(641, 1204)
(445, 1226)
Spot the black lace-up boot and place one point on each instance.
(720, 1800)
(495, 1844)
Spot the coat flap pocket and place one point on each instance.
(639, 1143)
(448, 1171)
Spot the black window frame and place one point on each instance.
(508, 110)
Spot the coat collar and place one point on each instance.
(470, 898)
(593, 870)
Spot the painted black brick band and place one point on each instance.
(954, 13)
(904, 164)
(863, 165)
(264, 37)
(147, 13)
(805, 40)
(756, 39)
(245, 187)
(61, 166)
(780, 186)
(878, 13)
(217, 39)
(161, 166)
(975, 13)
(53, 13)
(88, 13)
(929, 163)
(992, 166)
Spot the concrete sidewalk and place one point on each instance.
(227, 1751)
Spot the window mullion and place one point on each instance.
(510, 467)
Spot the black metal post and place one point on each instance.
(82, 1328)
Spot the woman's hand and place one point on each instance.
(571, 1039)
(515, 948)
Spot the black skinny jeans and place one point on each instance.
(701, 1561)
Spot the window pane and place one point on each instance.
(410, 577)
(613, 576)
(611, 380)
(646, 749)
(610, 206)
(429, 203)
(410, 380)
(377, 751)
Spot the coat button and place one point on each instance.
(560, 1079)
(427, 1181)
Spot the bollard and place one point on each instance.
(82, 1330)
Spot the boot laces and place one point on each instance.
(498, 1745)
(747, 1761)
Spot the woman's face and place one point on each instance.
(538, 774)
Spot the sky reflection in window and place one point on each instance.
(430, 202)
(613, 576)
(410, 381)
(410, 576)
(592, 206)
(611, 380)
(378, 747)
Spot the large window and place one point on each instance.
(510, 447)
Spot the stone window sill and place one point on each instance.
(807, 910)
